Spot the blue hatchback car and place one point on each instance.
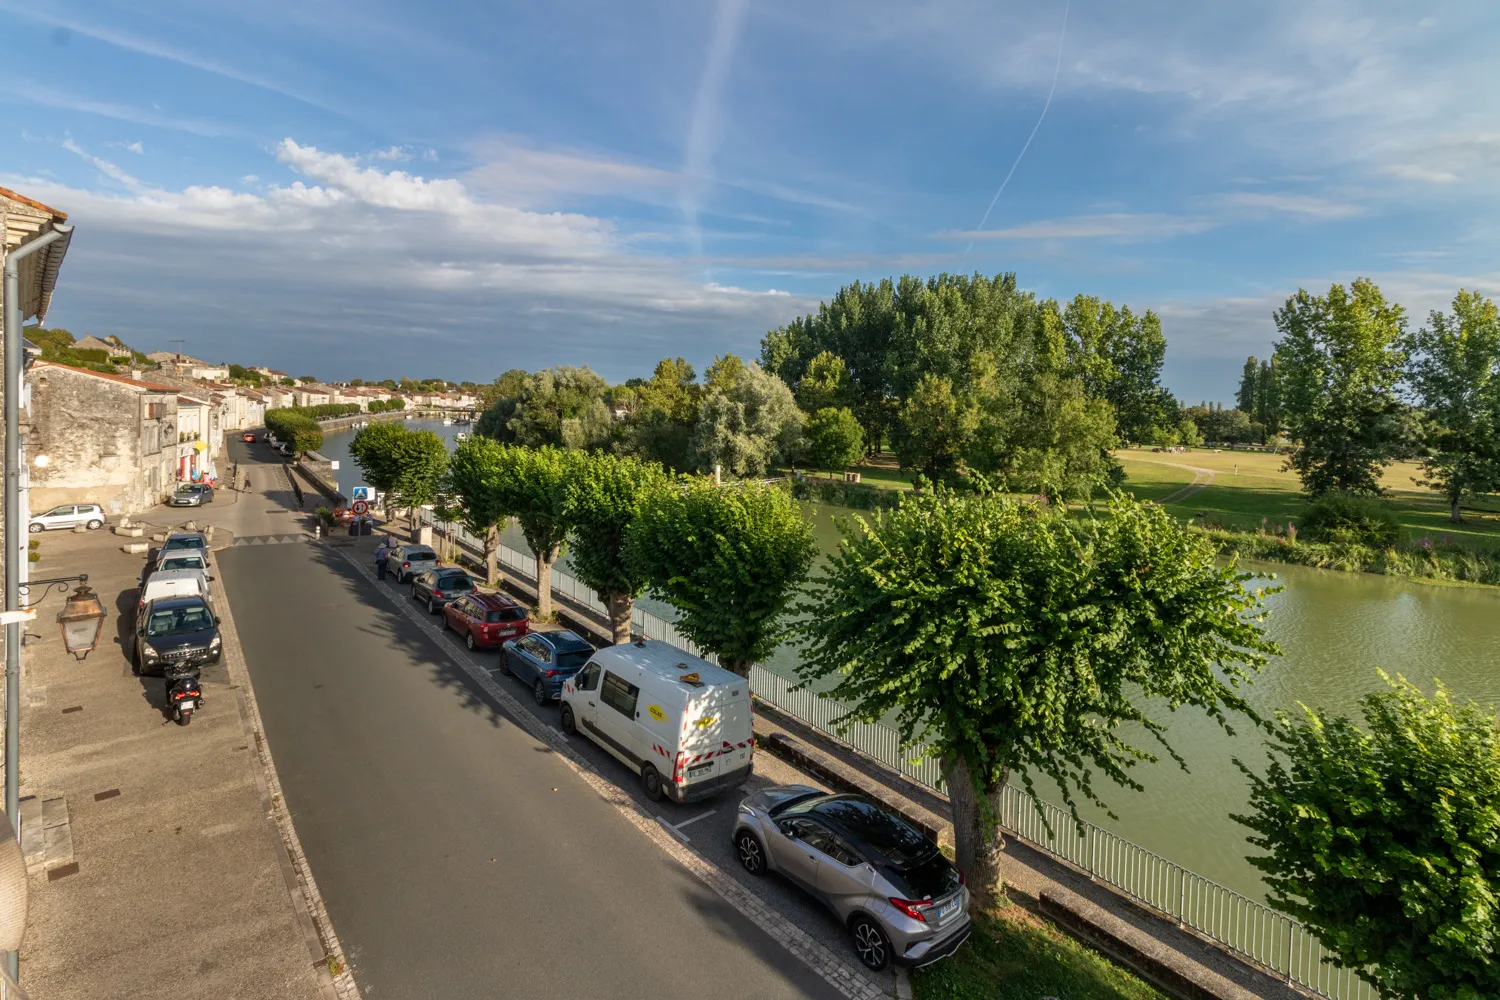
(544, 660)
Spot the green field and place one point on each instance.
(1250, 490)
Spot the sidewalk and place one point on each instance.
(162, 872)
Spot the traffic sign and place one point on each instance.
(363, 493)
(360, 507)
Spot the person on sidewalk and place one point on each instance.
(382, 554)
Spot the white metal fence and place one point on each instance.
(1238, 923)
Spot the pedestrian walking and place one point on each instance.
(382, 554)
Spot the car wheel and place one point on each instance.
(432, 607)
(568, 725)
(469, 641)
(34, 528)
(446, 623)
(95, 524)
(135, 659)
(539, 692)
(505, 664)
(651, 783)
(871, 944)
(752, 856)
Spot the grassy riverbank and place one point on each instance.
(1014, 955)
(1244, 500)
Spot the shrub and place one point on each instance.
(1340, 517)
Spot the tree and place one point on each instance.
(419, 458)
(473, 475)
(530, 484)
(1455, 372)
(834, 439)
(725, 373)
(935, 428)
(825, 385)
(296, 427)
(1013, 639)
(557, 407)
(1248, 395)
(747, 426)
(373, 450)
(1188, 434)
(1340, 356)
(1382, 840)
(1047, 438)
(602, 496)
(728, 558)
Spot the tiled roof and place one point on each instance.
(148, 386)
(8, 193)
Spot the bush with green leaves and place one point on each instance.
(1343, 517)
(1385, 840)
(295, 427)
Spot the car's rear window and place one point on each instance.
(418, 552)
(190, 542)
(183, 562)
(455, 581)
(882, 832)
(505, 615)
(574, 659)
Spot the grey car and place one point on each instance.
(191, 495)
(407, 561)
(900, 898)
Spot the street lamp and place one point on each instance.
(80, 621)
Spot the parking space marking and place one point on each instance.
(695, 819)
(838, 971)
(673, 830)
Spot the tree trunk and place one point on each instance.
(741, 667)
(492, 555)
(977, 842)
(1454, 514)
(620, 604)
(544, 561)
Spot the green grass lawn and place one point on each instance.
(1251, 488)
(1016, 956)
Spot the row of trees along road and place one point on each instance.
(1357, 389)
(1015, 640)
(953, 372)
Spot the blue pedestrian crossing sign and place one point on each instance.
(364, 493)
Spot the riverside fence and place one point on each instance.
(1232, 920)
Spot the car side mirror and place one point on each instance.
(211, 579)
(218, 620)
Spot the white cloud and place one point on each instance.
(1417, 172)
(392, 153)
(1120, 226)
(1305, 206)
(105, 167)
(130, 147)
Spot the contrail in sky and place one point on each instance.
(1056, 69)
(706, 127)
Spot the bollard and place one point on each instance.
(317, 531)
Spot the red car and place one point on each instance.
(248, 438)
(485, 620)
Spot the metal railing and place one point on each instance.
(1234, 921)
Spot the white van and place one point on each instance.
(682, 723)
(174, 583)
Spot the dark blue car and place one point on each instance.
(544, 660)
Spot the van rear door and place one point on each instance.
(718, 733)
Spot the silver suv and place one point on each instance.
(900, 898)
(408, 561)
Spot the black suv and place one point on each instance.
(175, 636)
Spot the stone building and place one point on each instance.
(96, 438)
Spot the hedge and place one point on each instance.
(295, 426)
(1424, 560)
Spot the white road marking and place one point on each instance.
(673, 830)
(695, 819)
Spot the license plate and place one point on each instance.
(506, 631)
(945, 912)
(187, 705)
(699, 768)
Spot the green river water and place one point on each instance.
(1336, 630)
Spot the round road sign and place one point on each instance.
(360, 507)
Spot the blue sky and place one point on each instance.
(378, 188)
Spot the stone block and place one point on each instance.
(135, 532)
(134, 548)
(159, 538)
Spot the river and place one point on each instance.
(1336, 630)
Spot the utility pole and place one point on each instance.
(14, 535)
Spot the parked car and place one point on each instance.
(177, 631)
(485, 620)
(183, 540)
(191, 495)
(407, 561)
(437, 587)
(193, 559)
(679, 722)
(248, 438)
(69, 515)
(173, 583)
(901, 899)
(544, 660)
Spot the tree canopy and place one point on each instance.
(728, 558)
(603, 496)
(473, 484)
(1012, 638)
(1383, 839)
(530, 484)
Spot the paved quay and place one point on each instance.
(172, 878)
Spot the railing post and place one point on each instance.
(1181, 895)
(1093, 835)
(1289, 926)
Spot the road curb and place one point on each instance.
(330, 965)
(839, 973)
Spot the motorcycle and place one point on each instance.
(184, 697)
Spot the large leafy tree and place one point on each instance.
(747, 423)
(472, 483)
(825, 385)
(420, 458)
(1340, 358)
(1455, 370)
(728, 558)
(935, 428)
(374, 450)
(1016, 641)
(602, 496)
(561, 406)
(834, 439)
(530, 484)
(1385, 840)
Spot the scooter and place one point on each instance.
(184, 697)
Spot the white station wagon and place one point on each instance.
(69, 515)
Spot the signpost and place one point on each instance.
(360, 508)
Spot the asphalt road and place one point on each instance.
(457, 855)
